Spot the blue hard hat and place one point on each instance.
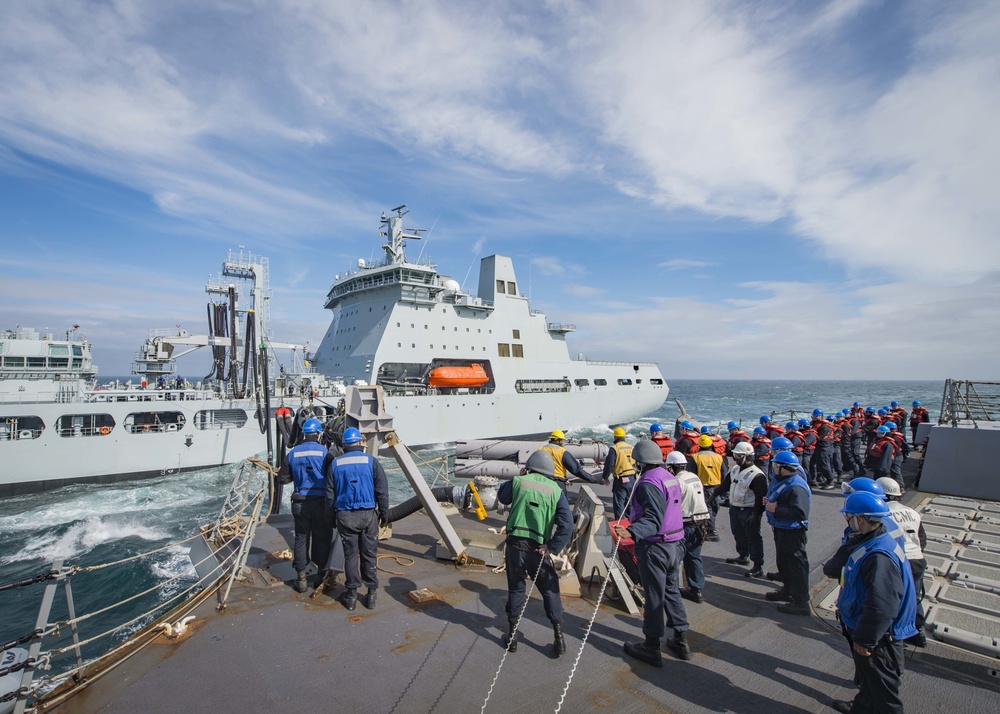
(894, 404)
(862, 484)
(706, 430)
(780, 443)
(732, 425)
(790, 425)
(352, 436)
(869, 410)
(916, 403)
(312, 426)
(881, 412)
(765, 419)
(862, 503)
(786, 458)
(891, 425)
(817, 412)
(760, 430)
(803, 422)
(687, 425)
(653, 428)
(886, 407)
(882, 430)
(857, 404)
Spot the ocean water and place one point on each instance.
(93, 524)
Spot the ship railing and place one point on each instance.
(614, 363)
(969, 402)
(221, 550)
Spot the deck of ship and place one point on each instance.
(273, 649)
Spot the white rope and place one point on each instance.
(597, 607)
(513, 634)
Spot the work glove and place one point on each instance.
(383, 520)
(542, 550)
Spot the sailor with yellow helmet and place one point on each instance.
(618, 465)
(565, 463)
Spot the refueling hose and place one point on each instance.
(441, 493)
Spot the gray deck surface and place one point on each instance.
(273, 649)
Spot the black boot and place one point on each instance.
(349, 599)
(301, 585)
(510, 638)
(559, 644)
(648, 651)
(371, 597)
(679, 646)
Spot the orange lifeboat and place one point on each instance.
(472, 375)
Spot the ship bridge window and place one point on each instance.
(539, 386)
(656, 380)
(220, 419)
(501, 287)
(153, 422)
(511, 289)
(59, 350)
(13, 361)
(14, 428)
(36, 362)
(517, 334)
(59, 362)
(624, 382)
(581, 382)
(85, 424)
(77, 351)
(518, 350)
(503, 350)
(600, 382)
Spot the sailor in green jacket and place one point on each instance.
(537, 505)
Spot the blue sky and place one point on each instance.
(769, 190)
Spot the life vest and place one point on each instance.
(557, 456)
(533, 507)
(693, 506)
(909, 521)
(718, 445)
(856, 424)
(665, 443)
(761, 448)
(735, 437)
(809, 439)
(687, 444)
(879, 446)
(739, 489)
(850, 602)
(872, 424)
(624, 464)
(709, 465)
(899, 440)
(797, 439)
(672, 527)
(824, 431)
(305, 462)
(919, 416)
(353, 481)
(774, 431)
(775, 490)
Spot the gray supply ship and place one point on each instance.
(452, 366)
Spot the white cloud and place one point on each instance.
(682, 264)
(557, 265)
(584, 291)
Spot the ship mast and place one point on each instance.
(394, 231)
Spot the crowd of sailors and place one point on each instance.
(666, 496)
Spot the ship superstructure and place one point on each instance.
(456, 366)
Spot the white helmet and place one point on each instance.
(675, 458)
(890, 486)
(743, 449)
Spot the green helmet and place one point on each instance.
(540, 462)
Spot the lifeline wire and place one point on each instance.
(597, 606)
(513, 634)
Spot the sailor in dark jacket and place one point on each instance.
(877, 607)
(787, 507)
(357, 491)
(657, 527)
(313, 529)
(538, 505)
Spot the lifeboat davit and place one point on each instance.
(472, 375)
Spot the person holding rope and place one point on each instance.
(618, 465)
(537, 505)
(657, 526)
(313, 529)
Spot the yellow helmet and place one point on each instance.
(704, 441)
(557, 434)
(620, 433)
